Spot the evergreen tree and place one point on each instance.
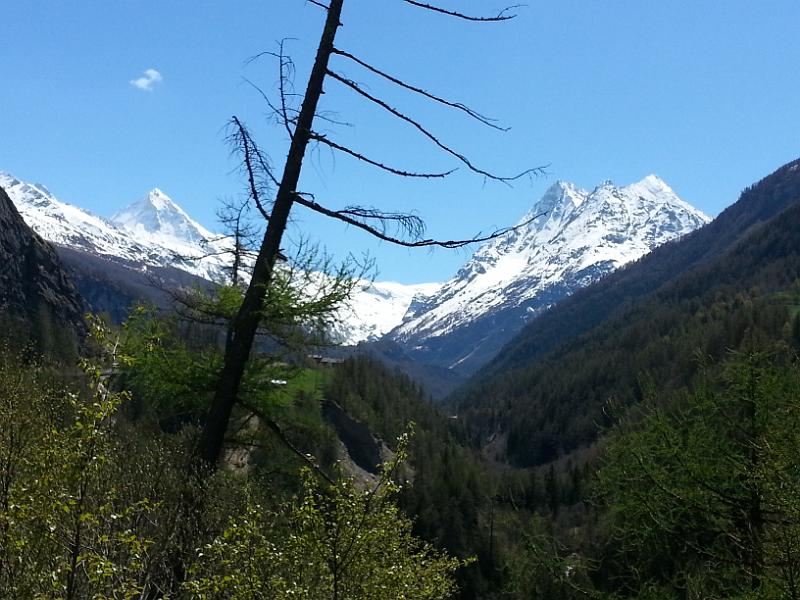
(703, 492)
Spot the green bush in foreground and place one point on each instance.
(335, 542)
(92, 506)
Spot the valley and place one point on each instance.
(522, 439)
(311, 325)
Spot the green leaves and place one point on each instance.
(335, 541)
(66, 528)
(166, 375)
(93, 506)
(702, 490)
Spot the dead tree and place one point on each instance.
(300, 127)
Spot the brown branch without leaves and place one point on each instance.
(320, 4)
(281, 114)
(501, 16)
(462, 158)
(318, 137)
(254, 162)
(410, 223)
(248, 161)
(276, 429)
(345, 217)
(284, 79)
(286, 70)
(457, 105)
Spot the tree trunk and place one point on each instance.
(755, 514)
(244, 326)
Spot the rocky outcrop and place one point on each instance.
(363, 448)
(39, 305)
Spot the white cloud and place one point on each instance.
(148, 80)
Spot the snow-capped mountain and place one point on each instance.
(155, 232)
(569, 239)
(376, 308)
(67, 225)
(157, 221)
(157, 217)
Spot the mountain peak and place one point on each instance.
(654, 184)
(157, 215)
(557, 198)
(653, 179)
(566, 187)
(153, 231)
(159, 201)
(604, 189)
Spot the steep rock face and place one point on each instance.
(364, 448)
(38, 302)
(570, 239)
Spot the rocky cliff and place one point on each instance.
(39, 305)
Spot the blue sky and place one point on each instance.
(703, 93)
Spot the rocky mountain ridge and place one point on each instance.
(569, 239)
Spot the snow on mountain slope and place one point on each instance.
(67, 225)
(157, 217)
(571, 237)
(376, 308)
(155, 231)
(157, 221)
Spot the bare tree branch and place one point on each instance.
(261, 159)
(285, 440)
(286, 71)
(328, 118)
(411, 224)
(347, 217)
(355, 87)
(281, 114)
(246, 148)
(243, 234)
(320, 4)
(457, 105)
(283, 80)
(324, 140)
(501, 16)
(254, 162)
